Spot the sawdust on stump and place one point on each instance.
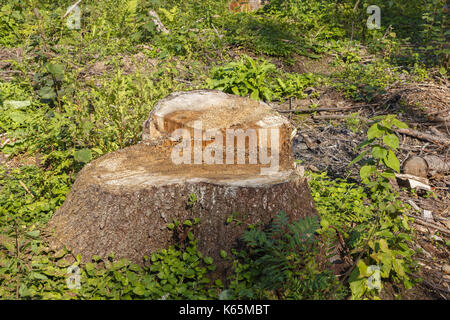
(124, 201)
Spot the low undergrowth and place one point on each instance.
(70, 96)
(283, 261)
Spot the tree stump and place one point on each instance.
(124, 201)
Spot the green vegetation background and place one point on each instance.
(54, 109)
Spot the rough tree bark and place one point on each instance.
(124, 201)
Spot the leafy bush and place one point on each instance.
(363, 82)
(259, 79)
(243, 78)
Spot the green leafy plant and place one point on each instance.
(11, 17)
(383, 143)
(390, 233)
(247, 77)
(260, 80)
(279, 261)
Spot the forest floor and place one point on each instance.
(326, 141)
(70, 96)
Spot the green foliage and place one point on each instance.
(71, 97)
(389, 232)
(341, 204)
(372, 228)
(45, 193)
(280, 260)
(243, 78)
(383, 142)
(36, 273)
(48, 83)
(12, 17)
(192, 199)
(145, 27)
(266, 35)
(81, 131)
(363, 82)
(259, 79)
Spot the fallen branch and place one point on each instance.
(26, 188)
(334, 117)
(424, 136)
(331, 117)
(422, 221)
(159, 25)
(433, 286)
(71, 8)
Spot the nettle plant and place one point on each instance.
(387, 242)
(381, 142)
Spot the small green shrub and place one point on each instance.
(260, 80)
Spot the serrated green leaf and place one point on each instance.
(364, 143)
(55, 69)
(188, 223)
(33, 234)
(366, 171)
(383, 245)
(391, 140)
(399, 124)
(139, 290)
(47, 93)
(388, 174)
(255, 95)
(378, 152)
(397, 264)
(358, 288)
(358, 158)
(375, 131)
(362, 268)
(38, 276)
(223, 254)
(18, 116)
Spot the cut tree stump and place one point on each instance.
(123, 202)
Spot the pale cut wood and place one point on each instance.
(124, 201)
